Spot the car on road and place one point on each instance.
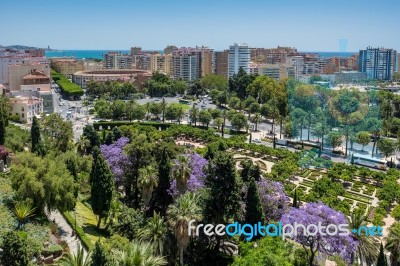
(326, 157)
(283, 147)
(257, 141)
(203, 107)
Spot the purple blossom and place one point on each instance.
(116, 158)
(274, 201)
(315, 213)
(195, 167)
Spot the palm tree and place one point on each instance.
(256, 120)
(180, 114)
(393, 244)
(147, 106)
(179, 215)
(182, 172)
(147, 181)
(80, 259)
(155, 232)
(218, 122)
(82, 145)
(139, 254)
(23, 210)
(193, 115)
(163, 105)
(368, 246)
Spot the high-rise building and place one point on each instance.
(221, 63)
(206, 61)
(143, 61)
(117, 60)
(185, 62)
(378, 63)
(161, 63)
(239, 56)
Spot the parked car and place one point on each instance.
(326, 157)
(257, 141)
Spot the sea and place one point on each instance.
(99, 54)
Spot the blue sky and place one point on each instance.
(308, 25)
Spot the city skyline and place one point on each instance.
(309, 26)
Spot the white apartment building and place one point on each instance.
(239, 56)
(20, 59)
(26, 107)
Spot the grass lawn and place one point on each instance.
(88, 221)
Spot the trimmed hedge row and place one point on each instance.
(78, 230)
(66, 85)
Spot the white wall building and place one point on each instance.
(239, 56)
(26, 107)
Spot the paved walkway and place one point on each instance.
(65, 231)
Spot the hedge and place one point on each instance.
(78, 230)
(66, 85)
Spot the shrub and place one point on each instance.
(55, 250)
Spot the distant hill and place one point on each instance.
(18, 47)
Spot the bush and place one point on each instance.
(55, 250)
(396, 212)
(66, 86)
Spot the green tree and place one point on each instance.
(367, 248)
(254, 212)
(239, 121)
(194, 115)
(163, 106)
(57, 133)
(156, 233)
(211, 82)
(45, 181)
(91, 134)
(205, 117)
(393, 244)
(256, 120)
(381, 258)
(396, 212)
(295, 203)
(234, 103)
(101, 256)
(161, 197)
(35, 136)
(334, 139)
(118, 109)
(363, 138)
(185, 209)
(147, 181)
(101, 186)
(386, 146)
(15, 249)
(139, 112)
(223, 201)
(182, 172)
(5, 109)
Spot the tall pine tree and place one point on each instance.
(35, 135)
(295, 203)
(254, 212)
(91, 134)
(5, 109)
(381, 258)
(101, 185)
(223, 203)
(161, 198)
(100, 256)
